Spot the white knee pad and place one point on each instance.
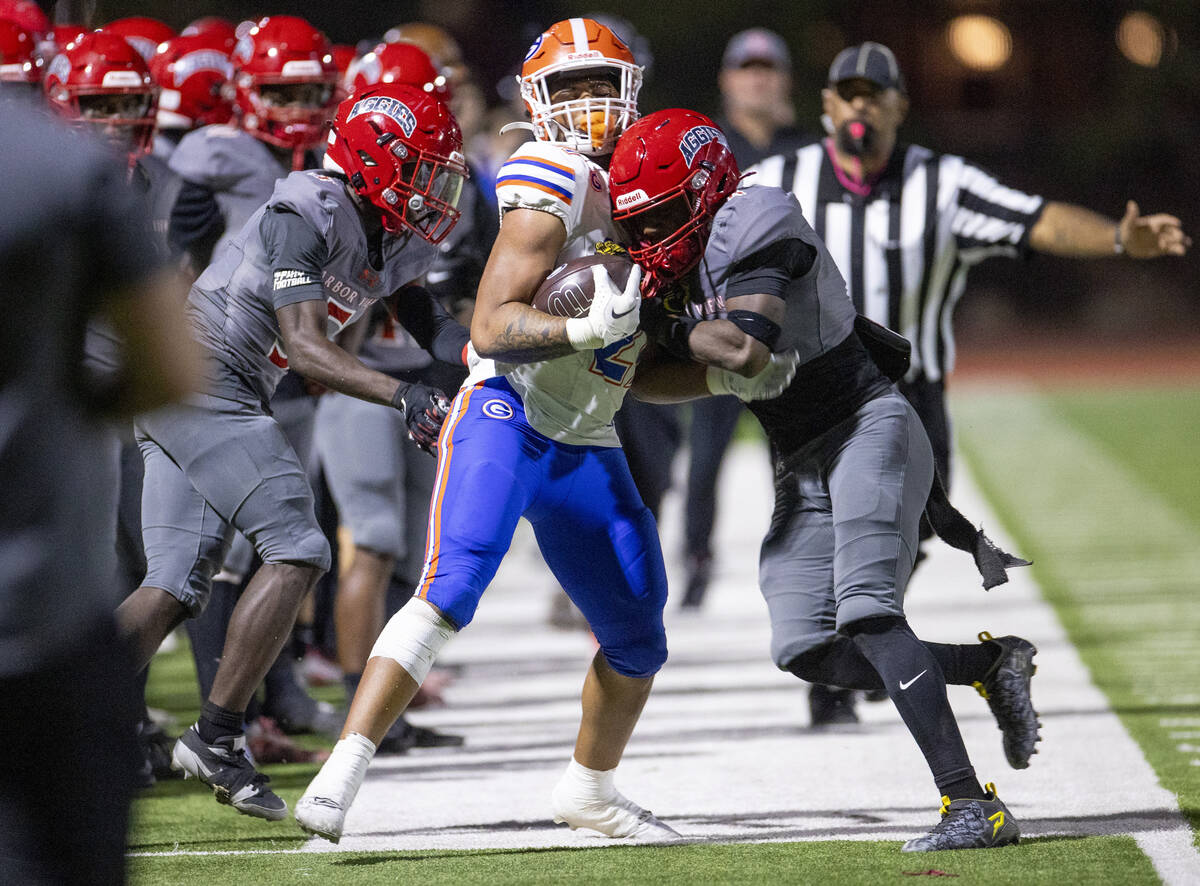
(413, 637)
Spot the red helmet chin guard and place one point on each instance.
(402, 152)
(669, 174)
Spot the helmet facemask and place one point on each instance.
(424, 192)
(589, 124)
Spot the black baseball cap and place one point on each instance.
(869, 61)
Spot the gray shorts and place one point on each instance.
(213, 466)
(380, 481)
(843, 538)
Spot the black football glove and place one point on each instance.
(424, 409)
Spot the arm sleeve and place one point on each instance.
(196, 223)
(428, 322)
(771, 269)
(297, 254)
(990, 218)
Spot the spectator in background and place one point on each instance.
(71, 233)
(757, 115)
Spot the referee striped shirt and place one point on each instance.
(906, 240)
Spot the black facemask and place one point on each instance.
(857, 138)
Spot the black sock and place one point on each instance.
(917, 687)
(350, 683)
(962, 664)
(216, 722)
(964, 789)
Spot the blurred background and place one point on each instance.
(1087, 101)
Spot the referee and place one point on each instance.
(905, 224)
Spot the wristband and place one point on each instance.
(1118, 246)
(398, 397)
(581, 335)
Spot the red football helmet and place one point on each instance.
(668, 176)
(27, 14)
(210, 26)
(144, 34)
(284, 83)
(190, 72)
(402, 151)
(19, 61)
(101, 81)
(571, 49)
(399, 63)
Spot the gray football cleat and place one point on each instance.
(969, 824)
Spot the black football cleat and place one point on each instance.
(1006, 688)
(969, 824)
(226, 769)
(830, 707)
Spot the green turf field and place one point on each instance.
(1100, 489)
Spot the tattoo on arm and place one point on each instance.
(526, 337)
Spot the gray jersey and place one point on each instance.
(158, 186)
(232, 305)
(836, 374)
(239, 169)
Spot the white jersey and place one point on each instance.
(571, 399)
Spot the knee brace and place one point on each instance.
(413, 637)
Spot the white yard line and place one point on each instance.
(722, 751)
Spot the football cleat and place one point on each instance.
(612, 814)
(1006, 689)
(830, 707)
(226, 769)
(321, 816)
(969, 824)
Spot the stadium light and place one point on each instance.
(1140, 37)
(979, 42)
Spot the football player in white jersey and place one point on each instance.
(531, 434)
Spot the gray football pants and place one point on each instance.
(212, 466)
(843, 538)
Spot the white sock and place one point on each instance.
(344, 771)
(589, 784)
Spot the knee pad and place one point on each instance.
(413, 637)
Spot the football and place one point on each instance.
(567, 290)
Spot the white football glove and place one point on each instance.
(613, 315)
(772, 381)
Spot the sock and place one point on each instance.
(350, 684)
(304, 637)
(964, 664)
(916, 685)
(588, 784)
(217, 722)
(344, 771)
(964, 789)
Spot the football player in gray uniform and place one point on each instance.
(316, 257)
(853, 466)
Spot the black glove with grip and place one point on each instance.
(424, 409)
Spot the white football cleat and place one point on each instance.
(599, 806)
(322, 810)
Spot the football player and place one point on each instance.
(313, 259)
(853, 465)
(531, 434)
(20, 65)
(191, 72)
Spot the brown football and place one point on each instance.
(567, 290)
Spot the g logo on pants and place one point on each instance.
(496, 408)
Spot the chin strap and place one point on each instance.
(956, 530)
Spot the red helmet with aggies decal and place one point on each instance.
(399, 63)
(284, 83)
(143, 33)
(190, 73)
(669, 175)
(402, 151)
(571, 50)
(99, 80)
(19, 61)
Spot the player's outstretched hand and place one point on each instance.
(613, 314)
(768, 384)
(424, 410)
(1151, 236)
